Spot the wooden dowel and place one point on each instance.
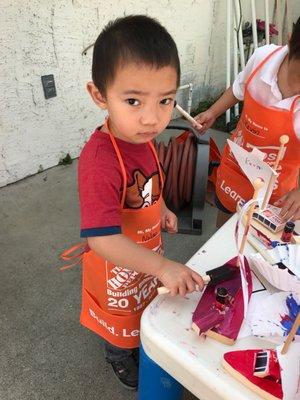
(257, 184)
(165, 290)
(269, 191)
(284, 139)
(291, 335)
(187, 116)
(254, 242)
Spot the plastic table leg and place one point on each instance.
(155, 383)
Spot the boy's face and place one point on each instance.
(139, 101)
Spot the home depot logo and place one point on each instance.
(119, 277)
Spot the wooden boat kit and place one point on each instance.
(223, 321)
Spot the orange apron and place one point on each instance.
(113, 298)
(261, 127)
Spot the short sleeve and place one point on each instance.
(99, 185)
(238, 86)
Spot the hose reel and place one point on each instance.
(185, 161)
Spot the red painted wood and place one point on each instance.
(243, 362)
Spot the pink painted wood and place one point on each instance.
(223, 324)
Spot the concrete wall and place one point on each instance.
(40, 37)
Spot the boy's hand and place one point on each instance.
(290, 205)
(179, 278)
(168, 220)
(206, 119)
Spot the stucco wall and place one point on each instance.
(40, 37)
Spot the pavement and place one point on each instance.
(45, 352)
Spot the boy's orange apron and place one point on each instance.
(113, 298)
(261, 127)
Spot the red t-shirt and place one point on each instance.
(100, 183)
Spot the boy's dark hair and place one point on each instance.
(136, 38)
(294, 44)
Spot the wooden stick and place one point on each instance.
(240, 33)
(291, 335)
(188, 117)
(165, 290)
(284, 139)
(258, 184)
(260, 249)
(214, 276)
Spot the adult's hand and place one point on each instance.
(290, 205)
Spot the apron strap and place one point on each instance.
(158, 165)
(292, 109)
(75, 254)
(116, 148)
(123, 170)
(260, 65)
(294, 104)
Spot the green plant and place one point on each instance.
(67, 160)
(220, 123)
(203, 106)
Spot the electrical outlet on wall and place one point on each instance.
(48, 86)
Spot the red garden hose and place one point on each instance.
(178, 159)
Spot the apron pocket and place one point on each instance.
(119, 330)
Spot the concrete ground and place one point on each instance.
(45, 353)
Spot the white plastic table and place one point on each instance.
(168, 340)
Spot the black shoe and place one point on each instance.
(127, 372)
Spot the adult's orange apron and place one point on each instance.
(261, 127)
(113, 298)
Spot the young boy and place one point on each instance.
(136, 73)
(270, 88)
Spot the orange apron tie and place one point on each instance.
(68, 255)
(261, 127)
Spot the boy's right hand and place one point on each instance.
(206, 119)
(179, 278)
